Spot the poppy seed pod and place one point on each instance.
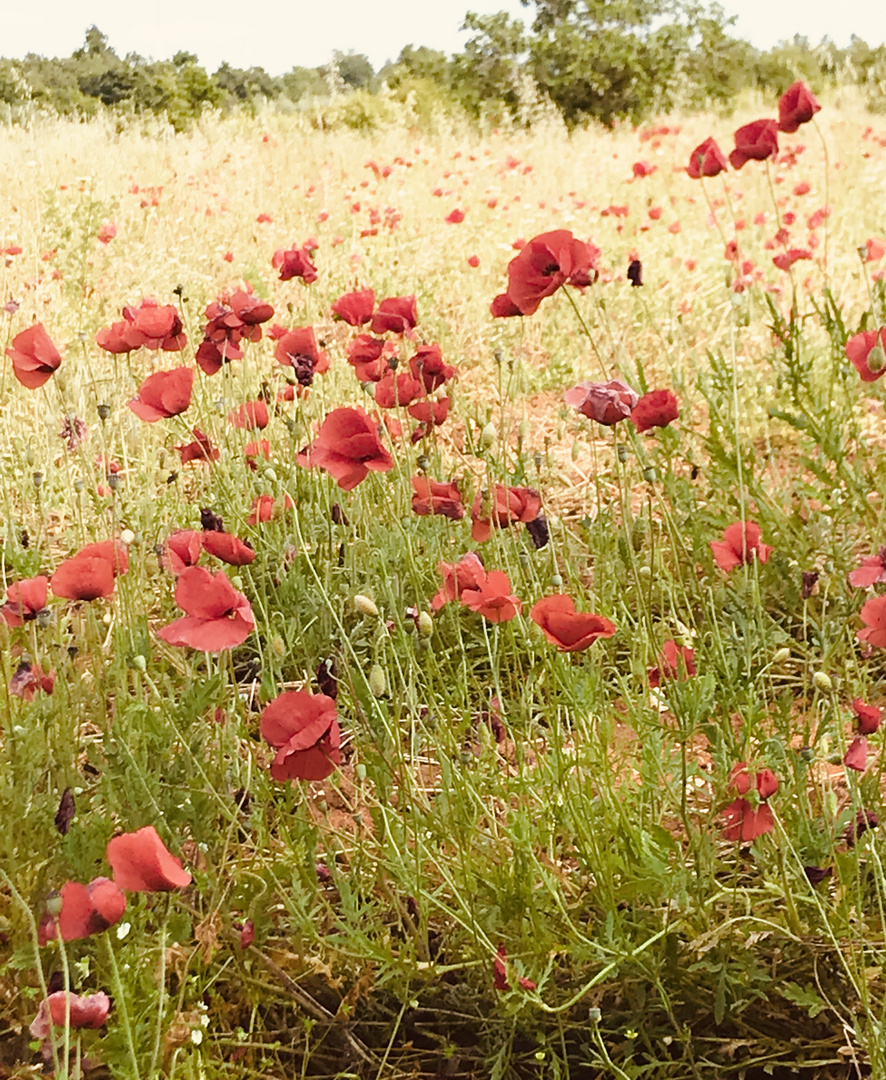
(377, 681)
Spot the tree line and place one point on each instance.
(591, 59)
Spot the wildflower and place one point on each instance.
(856, 757)
(303, 728)
(91, 572)
(434, 497)
(428, 366)
(468, 572)
(786, 259)
(395, 389)
(491, 597)
(707, 159)
(867, 351)
(141, 862)
(366, 356)
(754, 142)
(864, 820)
(227, 547)
(674, 662)
(568, 629)
(201, 449)
(503, 307)
(745, 821)
(34, 357)
(150, 325)
(28, 679)
(64, 1008)
(502, 507)
(74, 432)
(796, 106)
(607, 403)
(106, 232)
(295, 262)
(873, 615)
(181, 550)
(348, 448)
(24, 600)
(547, 262)
(298, 349)
(870, 571)
(217, 616)
(868, 717)
(163, 394)
(264, 507)
(741, 544)
(655, 409)
(872, 249)
(252, 414)
(355, 308)
(500, 972)
(85, 910)
(396, 315)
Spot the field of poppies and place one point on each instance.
(444, 622)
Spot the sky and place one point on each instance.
(280, 34)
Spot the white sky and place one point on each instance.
(278, 34)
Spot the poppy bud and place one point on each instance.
(781, 655)
(425, 624)
(556, 580)
(278, 646)
(54, 904)
(139, 662)
(364, 605)
(877, 358)
(488, 436)
(360, 772)
(822, 682)
(127, 537)
(377, 681)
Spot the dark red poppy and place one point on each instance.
(201, 449)
(397, 389)
(674, 662)
(429, 366)
(492, 598)
(503, 307)
(796, 106)
(746, 821)
(150, 325)
(434, 497)
(754, 142)
(395, 315)
(545, 263)
(355, 308)
(24, 600)
(86, 910)
(568, 629)
(741, 544)
(868, 717)
(141, 862)
(468, 572)
(431, 413)
(867, 351)
(229, 322)
(217, 616)
(366, 356)
(607, 403)
(295, 262)
(707, 159)
(348, 448)
(303, 728)
(501, 507)
(500, 972)
(181, 550)
(164, 394)
(871, 571)
(229, 548)
(856, 757)
(298, 349)
(251, 310)
(29, 679)
(655, 409)
(34, 357)
(873, 615)
(252, 414)
(91, 572)
(63, 1009)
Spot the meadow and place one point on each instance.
(392, 689)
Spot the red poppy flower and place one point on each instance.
(298, 349)
(86, 910)
(786, 259)
(796, 106)
(227, 547)
(868, 717)
(264, 508)
(746, 821)
(655, 409)
(216, 615)
(394, 390)
(674, 662)
(867, 351)
(252, 414)
(348, 448)
(355, 308)
(304, 730)
(607, 403)
(545, 263)
(295, 263)
(431, 413)
(24, 599)
(568, 629)
(395, 315)
(707, 159)
(503, 307)
(150, 325)
(181, 550)
(141, 862)
(34, 358)
(501, 507)
(500, 972)
(871, 571)
(91, 572)
(754, 142)
(741, 544)
(491, 597)
(467, 573)
(873, 615)
(201, 449)
(250, 310)
(28, 679)
(856, 757)
(872, 249)
(429, 366)
(164, 394)
(434, 497)
(64, 1008)
(106, 233)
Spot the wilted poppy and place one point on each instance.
(492, 598)
(867, 351)
(502, 506)
(796, 106)
(607, 403)
(873, 615)
(163, 394)
(655, 409)
(24, 600)
(468, 572)
(568, 629)
(545, 263)
(63, 1009)
(34, 357)
(303, 728)
(355, 308)
(217, 616)
(754, 142)
(674, 662)
(201, 449)
(29, 679)
(86, 910)
(348, 448)
(141, 862)
(741, 544)
(707, 159)
(434, 497)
